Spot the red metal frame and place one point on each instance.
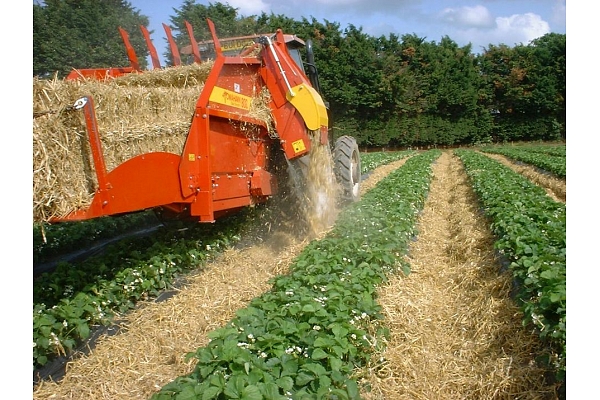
(133, 60)
(172, 46)
(151, 48)
(226, 160)
(105, 73)
(193, 42)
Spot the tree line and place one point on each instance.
(387, 91)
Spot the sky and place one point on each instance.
(479, 22)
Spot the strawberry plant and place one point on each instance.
(74, 298)
(551, 160)
(53, 240)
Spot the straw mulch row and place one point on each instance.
(136, 113)
(455, 333)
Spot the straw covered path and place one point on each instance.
(455, 333)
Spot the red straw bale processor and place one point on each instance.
(230, 158)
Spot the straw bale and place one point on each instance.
(136, 113)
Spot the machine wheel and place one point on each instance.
(347, 168)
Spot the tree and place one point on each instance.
(548, 75)
(527, 88)
(71, 34)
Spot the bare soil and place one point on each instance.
(455, 333)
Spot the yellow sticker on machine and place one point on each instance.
(230, 98)
(298, 146)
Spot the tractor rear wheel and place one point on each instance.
(347, 168)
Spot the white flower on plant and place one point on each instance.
(54, 339)
(65, 323)
(316, 328)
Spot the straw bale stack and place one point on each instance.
(136, 113)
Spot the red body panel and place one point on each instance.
(146, 181)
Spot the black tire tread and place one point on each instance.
(345, 146)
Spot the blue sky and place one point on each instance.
(480, 23)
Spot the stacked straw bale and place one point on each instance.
(136, 113)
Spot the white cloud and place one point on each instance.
(468, 17)
(521, 28)
(477, 26)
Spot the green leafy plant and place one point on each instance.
(531, 233)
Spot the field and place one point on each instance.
(447, 280)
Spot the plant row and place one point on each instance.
(306, 336)
(550, 149)
(548, 161)
(531, 232)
